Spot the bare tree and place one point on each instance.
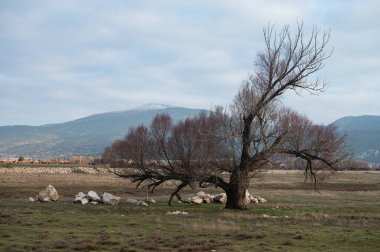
(250, 134)
(163, 152)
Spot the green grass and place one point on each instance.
(69, 227)
(300, 220)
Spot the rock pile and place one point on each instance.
(93, 198)
(202, 197)
(47, 195)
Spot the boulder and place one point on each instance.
(43, 199)
(261, 200)
(152, 201)
(201, 194)
(31, 199)
(84, 201)
(132, 201)
(48, 194)
(93, 196)
(110, 199)
(207, 200)
(253, 200)
(247, 198)
(141, 203)
(196, 200)
(220, 198)
(79, 197)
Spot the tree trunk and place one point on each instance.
(239, 182)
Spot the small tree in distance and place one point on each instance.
(246, 137)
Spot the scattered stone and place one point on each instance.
(132, 201)
(48, 194)
(177, 213)
(201, 194)
(196, 200)
(84, 201)
(79, 197)
(261, 200)
(254, 200)
(93, 196)
(220, 198)
(207, 200)
(110, 199)
(266, 216)
(31, 199)
(141, 203)
(152, 201)
(247, 198)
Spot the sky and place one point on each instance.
(65, 59)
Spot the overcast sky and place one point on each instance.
(62, 60)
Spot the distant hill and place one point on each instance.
(85, 136)
(90, 135)
(364, 135)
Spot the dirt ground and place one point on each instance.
(22, 185)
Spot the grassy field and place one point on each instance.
(343, 216)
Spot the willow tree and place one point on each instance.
(250, 134)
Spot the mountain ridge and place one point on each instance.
(363, 135)
(84, 136)
(89, 135)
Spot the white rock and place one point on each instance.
(220, 198)
(93, 203)
(48, 194)
(144, 203)
(196, 200)
(43, 199)
(254, 200)
(141, 203)
(132, 201)
(247, 199)
(93, 196)
(207, 200)
(152, 201)
(84, 201)
(177, 213)
(201, 194)
(31, 199)
(79, 197)
(266, 216)
(261, 200)
(110, 199)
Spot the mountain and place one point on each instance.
(85, 136)
(91, 134)
(363, 135)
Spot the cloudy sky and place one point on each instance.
(62, 60)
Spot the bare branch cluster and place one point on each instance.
(248, 136)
